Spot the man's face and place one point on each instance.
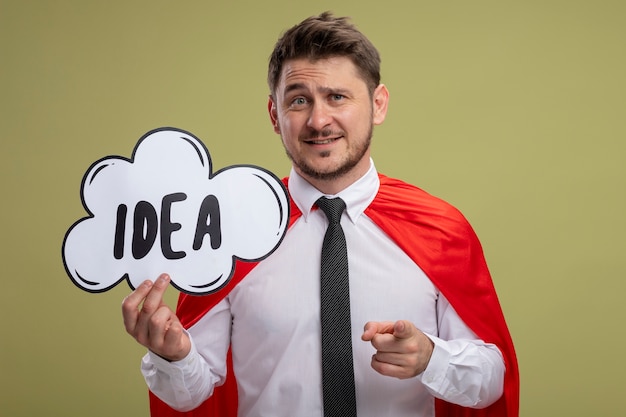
(325, 116)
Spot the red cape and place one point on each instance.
(437, 232)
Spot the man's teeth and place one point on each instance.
(323, 142)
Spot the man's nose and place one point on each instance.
(320, 116)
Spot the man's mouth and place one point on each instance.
(322, 141)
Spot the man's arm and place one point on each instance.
(173, 368)
(457, 367)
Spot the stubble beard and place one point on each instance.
(353, 157)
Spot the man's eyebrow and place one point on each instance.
(331, 90)
(295, 86)
(327, 90)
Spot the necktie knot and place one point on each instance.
(332, 207)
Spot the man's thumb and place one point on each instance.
(401, 329)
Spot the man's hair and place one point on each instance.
(325, 36)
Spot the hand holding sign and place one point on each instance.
(152, 323)
(165, 211)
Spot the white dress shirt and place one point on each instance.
(272, 321)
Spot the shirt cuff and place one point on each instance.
(187, 363)
(168, 380)
(434, 376)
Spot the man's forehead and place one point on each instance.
(326, 73)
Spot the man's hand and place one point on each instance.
(402, 350)
(152, 323)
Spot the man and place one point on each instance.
(434, 340)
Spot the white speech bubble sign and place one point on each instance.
(164, 210)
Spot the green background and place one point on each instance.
(512, 111)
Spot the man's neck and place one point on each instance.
(333, 186)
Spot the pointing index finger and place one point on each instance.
(374, 327)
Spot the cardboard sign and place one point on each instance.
(164, 210)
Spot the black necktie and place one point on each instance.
(337, 369)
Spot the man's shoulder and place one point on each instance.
(399, 195)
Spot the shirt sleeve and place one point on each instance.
(187, 383)
(463, 369)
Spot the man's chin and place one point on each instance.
(329, 173)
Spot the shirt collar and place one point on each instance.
(357, 196)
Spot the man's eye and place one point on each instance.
(337, 97)
(298, 101)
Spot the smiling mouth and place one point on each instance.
(325, 141)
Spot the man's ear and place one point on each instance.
(271, 109)
(380, 102)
